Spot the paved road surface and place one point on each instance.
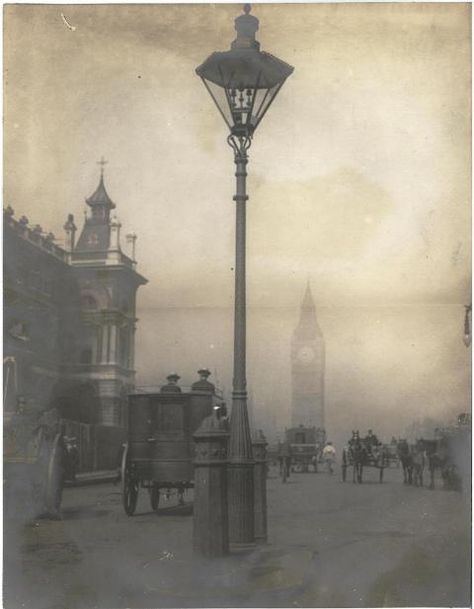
(330, 544)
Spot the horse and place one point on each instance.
(418, 460)
(357, 454)
(406, 459)
(437, 455)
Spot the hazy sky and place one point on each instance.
(359, 178)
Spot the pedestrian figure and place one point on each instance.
(285, 461)
(329, 457)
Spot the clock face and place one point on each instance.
(305, 355)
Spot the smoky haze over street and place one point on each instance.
(358, 180)
(127, 480)
(366, 385)
(348, 546)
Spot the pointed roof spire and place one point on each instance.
(308, 302)
(100, 196)
(308, 327)
(102, 164)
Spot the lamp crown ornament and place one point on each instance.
(246, 26)
(244, 81)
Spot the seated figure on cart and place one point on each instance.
(160, 450)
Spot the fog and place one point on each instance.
(385, 366)
(359, 179)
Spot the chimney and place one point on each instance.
(70, 229)
(131, 240)
(114, 234)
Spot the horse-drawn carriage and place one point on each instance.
(363, 452)
(160, 449)
(306, 446)
(447, 453)
(36, 462)
(391, 453)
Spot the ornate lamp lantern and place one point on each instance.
(242, 82)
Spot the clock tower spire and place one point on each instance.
(307, 367)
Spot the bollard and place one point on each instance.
(210, 511)
(259, 447)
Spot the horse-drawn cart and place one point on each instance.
(159, 453)
(306, 446)
(450, 454)
(391, 454)
(363, 452)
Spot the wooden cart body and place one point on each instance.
(160, 450)
(306, 447)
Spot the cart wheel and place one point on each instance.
(55, 478)
(155, 497)
(129, 485)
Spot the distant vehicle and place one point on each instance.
(391, 454)
(363, 452)
(449, 452)
(306, 445)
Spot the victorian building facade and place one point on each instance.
(70, 317)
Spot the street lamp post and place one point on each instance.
(242, 82)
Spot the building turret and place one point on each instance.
(108, 284)
(95, 235)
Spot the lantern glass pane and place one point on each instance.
(263, 99)
(219, 95)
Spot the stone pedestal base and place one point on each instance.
(241, 502)
(210, 512)
(259, 445)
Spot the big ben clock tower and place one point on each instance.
(307, 367)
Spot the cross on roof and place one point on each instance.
(102, 164)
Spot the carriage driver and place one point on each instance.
(371, 439)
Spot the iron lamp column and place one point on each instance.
(243, 82)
